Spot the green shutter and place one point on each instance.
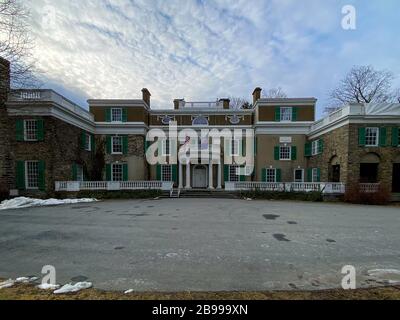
(20, 130)
(125, 172)
(124, 115)
(175, 173)
(307, 149)
(361, 136)
(255, 145)
(40, 130)
(276, 153)
(125, 144)
(158, 169)
(20, 175)
(382, 137)
(108, 115)
(294, 153)
(108, 172)
(74, 172)
(42, 176)
(226, 172)
(309, 174)
(395, 137)
(146, 145)
(320, 145)
(278, 175)
(278, 114)
(294, 114)
(108, 144)
(318, 175)
(264, 175)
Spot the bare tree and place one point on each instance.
(275, 93)
(16, 43)
(363, 84)
(238, 103)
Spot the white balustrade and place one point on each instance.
(112, 185)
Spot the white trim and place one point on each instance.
(26, 174)
(266, 175)
(290, 152)
(302, 175)
(377, 137)
(25, 133)
(112, 145)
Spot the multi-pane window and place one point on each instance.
(30, 130)
(286, 114)
(285, 153)
(88, 142)
(371, 137)
(32, 174)
(117, 172)
(166, 173)
(233, 176)
(79, 173)
(315, 175)
(270, 175)
(116, 114)
(116, 143)
(235, 145)
(316, 147)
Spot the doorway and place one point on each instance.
(369, 172)
(335, 173)
(396, 178)
(199, 177)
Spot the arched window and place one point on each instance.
(200, 121)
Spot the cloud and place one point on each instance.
(203, 50)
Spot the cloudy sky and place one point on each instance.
(208, 49)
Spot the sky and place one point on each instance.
(202, 50)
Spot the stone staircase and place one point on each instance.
(204, 193)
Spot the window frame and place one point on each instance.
(121, 115)
(267, 175)
(80, 176)
(121, 165)
(302, 175)
(288, 116)
(121, 144)
(27, 184)
(230, 173)
(376, 129)
(168, 168)
(88, 142)
(25, 130)
(289, 154)
(314, 175)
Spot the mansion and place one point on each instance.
(49, 143)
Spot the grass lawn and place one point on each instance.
(29, 292)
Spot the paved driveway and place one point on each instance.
(200, 244)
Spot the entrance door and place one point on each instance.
(368, 172)
(396, 177)
(200, 177)
(335, 173)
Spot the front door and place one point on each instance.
(200, 177)
(335, 173)
(396, 177)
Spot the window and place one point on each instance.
(166, 173)
(235, 147)
(200, 121)
(315, 175)
(88, 142)
(117, 170)
(116, 145)
(32, 174)
(285, 153)
(233, 177)
(286, 114)
(166, 148)
(371, 137)
(116, 115)
(79, 173)
(270, 175)
(30, 130)
(298, 175)
(316, 147)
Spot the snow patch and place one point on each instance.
(48, 286)
(23, 202)
(26, 279)
(128, 291)
(69, 288)
(7, 284)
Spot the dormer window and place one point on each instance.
(200, 121)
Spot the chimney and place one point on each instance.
(177, 103)
(146, 96)
(256, 95)
(4, 79)
(225, 103)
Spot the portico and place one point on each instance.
(199, 176)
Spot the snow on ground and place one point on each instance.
(26, 279)
(47, 286)
(23, 202)
(7, 284)
(68, 288)
(129, 291)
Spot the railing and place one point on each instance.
(112, 185)
(201, 104)
(324, 187)
(369, 187)
(49, 96)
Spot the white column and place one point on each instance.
(188, 174)
(180, 175)
(219, 176)
(210, 176)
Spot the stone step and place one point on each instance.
(208, 194)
